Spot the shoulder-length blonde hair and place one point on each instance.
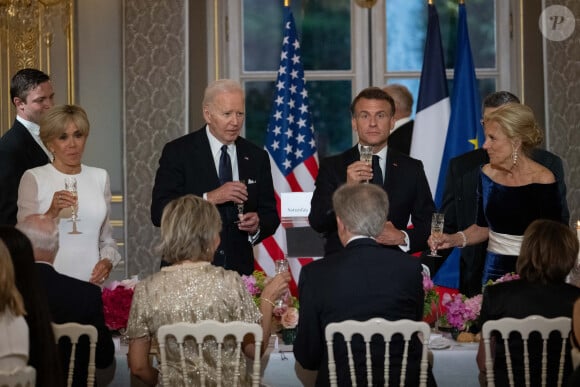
(55, 121)
(9, 295)
(548, 253)
(189, 229)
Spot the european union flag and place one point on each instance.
(464, 133)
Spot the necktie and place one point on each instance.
(225, 167)
(377, 171)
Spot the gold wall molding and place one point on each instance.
(38, 34)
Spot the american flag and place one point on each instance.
(290, 143)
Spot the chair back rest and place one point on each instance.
(367, 329)
(21, 377)
(544, 326)
(218, 330)
(74, 331)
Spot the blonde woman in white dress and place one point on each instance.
(91, 254)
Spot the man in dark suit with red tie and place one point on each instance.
(359, 282)
(402, 177)
(70, 300)
(21, 148)
(211, 163)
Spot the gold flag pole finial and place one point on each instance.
(461, 2)
(286, 3)
(430, 2)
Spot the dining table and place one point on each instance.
(453, 364)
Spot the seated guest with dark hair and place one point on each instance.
(43, 356)
(70, 300)
(359, 282)
(548, 253)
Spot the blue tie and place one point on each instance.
(225, 167)
(377, 171)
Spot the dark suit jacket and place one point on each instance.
(187, 167)
(73, 300)
(406, 186)
(361, 281)
(460, 207)
(520, 299)
(18, 152)
(400, 139)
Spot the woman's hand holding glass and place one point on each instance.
(437, 223)
(60, 200)
(276, 288)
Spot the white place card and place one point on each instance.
(295, 204)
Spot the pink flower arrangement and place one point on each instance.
(284, 316)
(431, 295)
(117, 298)
(504, 278)
(462, 312)
(289, 319)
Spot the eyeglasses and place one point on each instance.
(381, 116)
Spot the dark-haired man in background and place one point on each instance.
(21, 148)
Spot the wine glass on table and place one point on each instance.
(70, 184)
(240, 206)
(437, 222)
(281, 266)
(366, 155)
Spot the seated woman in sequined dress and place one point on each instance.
(193, 290)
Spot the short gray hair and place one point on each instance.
(220, 86)
(362, 208)
(42, 232)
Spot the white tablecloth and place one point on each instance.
(456, 365)
(453, 366)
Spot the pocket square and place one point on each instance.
(251, 181)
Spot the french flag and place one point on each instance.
(433, 107)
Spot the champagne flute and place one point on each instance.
(240, 206)
(70, 184)
(366, 155)
(437, 222)
(281, 266)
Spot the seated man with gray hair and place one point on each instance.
(70, 300)
(362, 281)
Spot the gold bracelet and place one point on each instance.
(464, 239)
(268, 301)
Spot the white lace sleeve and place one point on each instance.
(108, 245)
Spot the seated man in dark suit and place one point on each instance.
(401, 176)
(70, 300)
(460, 197)
(361, 281)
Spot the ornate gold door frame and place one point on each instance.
(38, 34)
